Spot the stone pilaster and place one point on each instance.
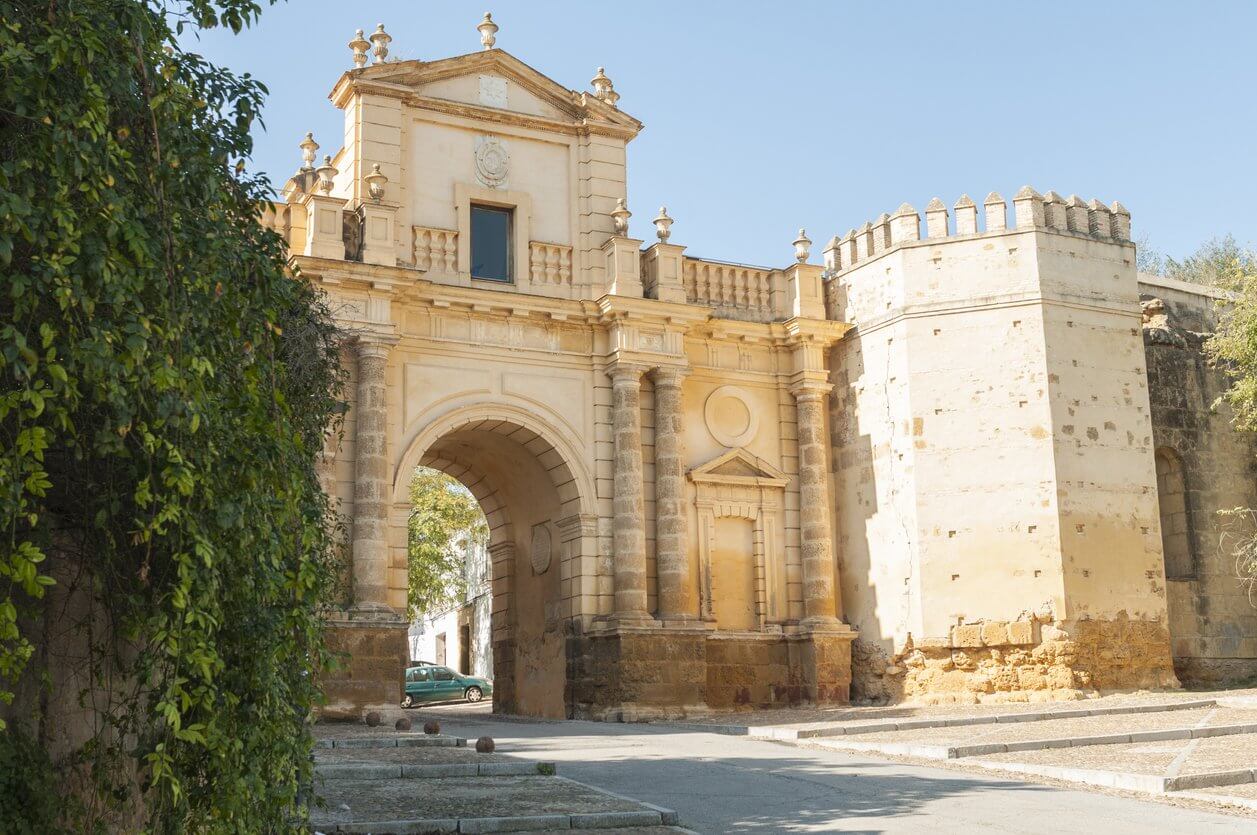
(629, 533)
(677, 599)
(816, 536)
(372, 486)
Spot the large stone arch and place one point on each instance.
(528, 478)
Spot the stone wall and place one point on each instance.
(1212, 621)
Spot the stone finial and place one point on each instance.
(881, 233)
(1076, 218)
(1028, 209)
(802, 247)
(381, 40)
(966, 216)
(663, 225)
(621, 217)
(603, 88)
(327, 175)
(1121, 222)
(996, 212)
(359, 45)
(1054, 211)
(905, 225)
(935, 219)
(1099, 223)
(308, 148)
(488, 31)
(375, 183)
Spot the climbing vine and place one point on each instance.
(165, 390)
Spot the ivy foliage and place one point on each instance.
(443, 514)
(1234, 347)
(165, 390)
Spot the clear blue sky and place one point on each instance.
(762, 117)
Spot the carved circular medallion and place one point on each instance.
(540, 552)
(492, 161)
(731, 417)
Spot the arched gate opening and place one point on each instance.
(529, 493)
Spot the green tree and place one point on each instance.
(443, 513)
(165, 390)
(1213, 263)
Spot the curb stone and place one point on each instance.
(421, 741)
(654, 816)
(1145, 783)
(950, 752)
(667, 817)
(374, 771)
(788, 733)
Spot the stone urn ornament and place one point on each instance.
(432, 727)
(485, 745)
(402, 724)
(373, 719)
(620, 217)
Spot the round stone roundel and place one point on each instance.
(540, 552)
(731, 417)
(492, 161)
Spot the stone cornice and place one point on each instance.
(400, 80)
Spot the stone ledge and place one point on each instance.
(950, 752)
(393, 742)
(779, 733)
(652, 816)
(389, 771)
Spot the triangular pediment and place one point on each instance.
(496, 80)
(737, 466)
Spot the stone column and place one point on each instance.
(629, 533)
(676, 591)
(372, 488)
(820, 605)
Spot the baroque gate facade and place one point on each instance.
(923, 469)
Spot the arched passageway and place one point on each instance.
(529, 495)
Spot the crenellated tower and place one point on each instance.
(992, 452)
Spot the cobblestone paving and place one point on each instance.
(407, 756)
(460, 797)
(1170, 758)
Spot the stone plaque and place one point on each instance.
(493, 91)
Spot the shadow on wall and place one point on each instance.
(854, 484)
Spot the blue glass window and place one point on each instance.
(490, 243)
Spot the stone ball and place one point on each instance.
(373, 719)
(402, 724)
(432, 727)
(485, 745)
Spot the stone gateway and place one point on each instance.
(927, 469)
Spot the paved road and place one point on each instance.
(722, 784)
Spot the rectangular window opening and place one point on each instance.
(491, 243)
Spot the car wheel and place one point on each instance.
(473, 694)
(408, 702)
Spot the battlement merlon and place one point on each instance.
(859, 263)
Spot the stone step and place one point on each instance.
(394, 741)
(947, 752)
(390, 771)
(788, 733)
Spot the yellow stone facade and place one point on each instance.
(705, 481)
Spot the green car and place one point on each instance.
(441, 684)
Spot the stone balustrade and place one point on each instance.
(735, 291)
